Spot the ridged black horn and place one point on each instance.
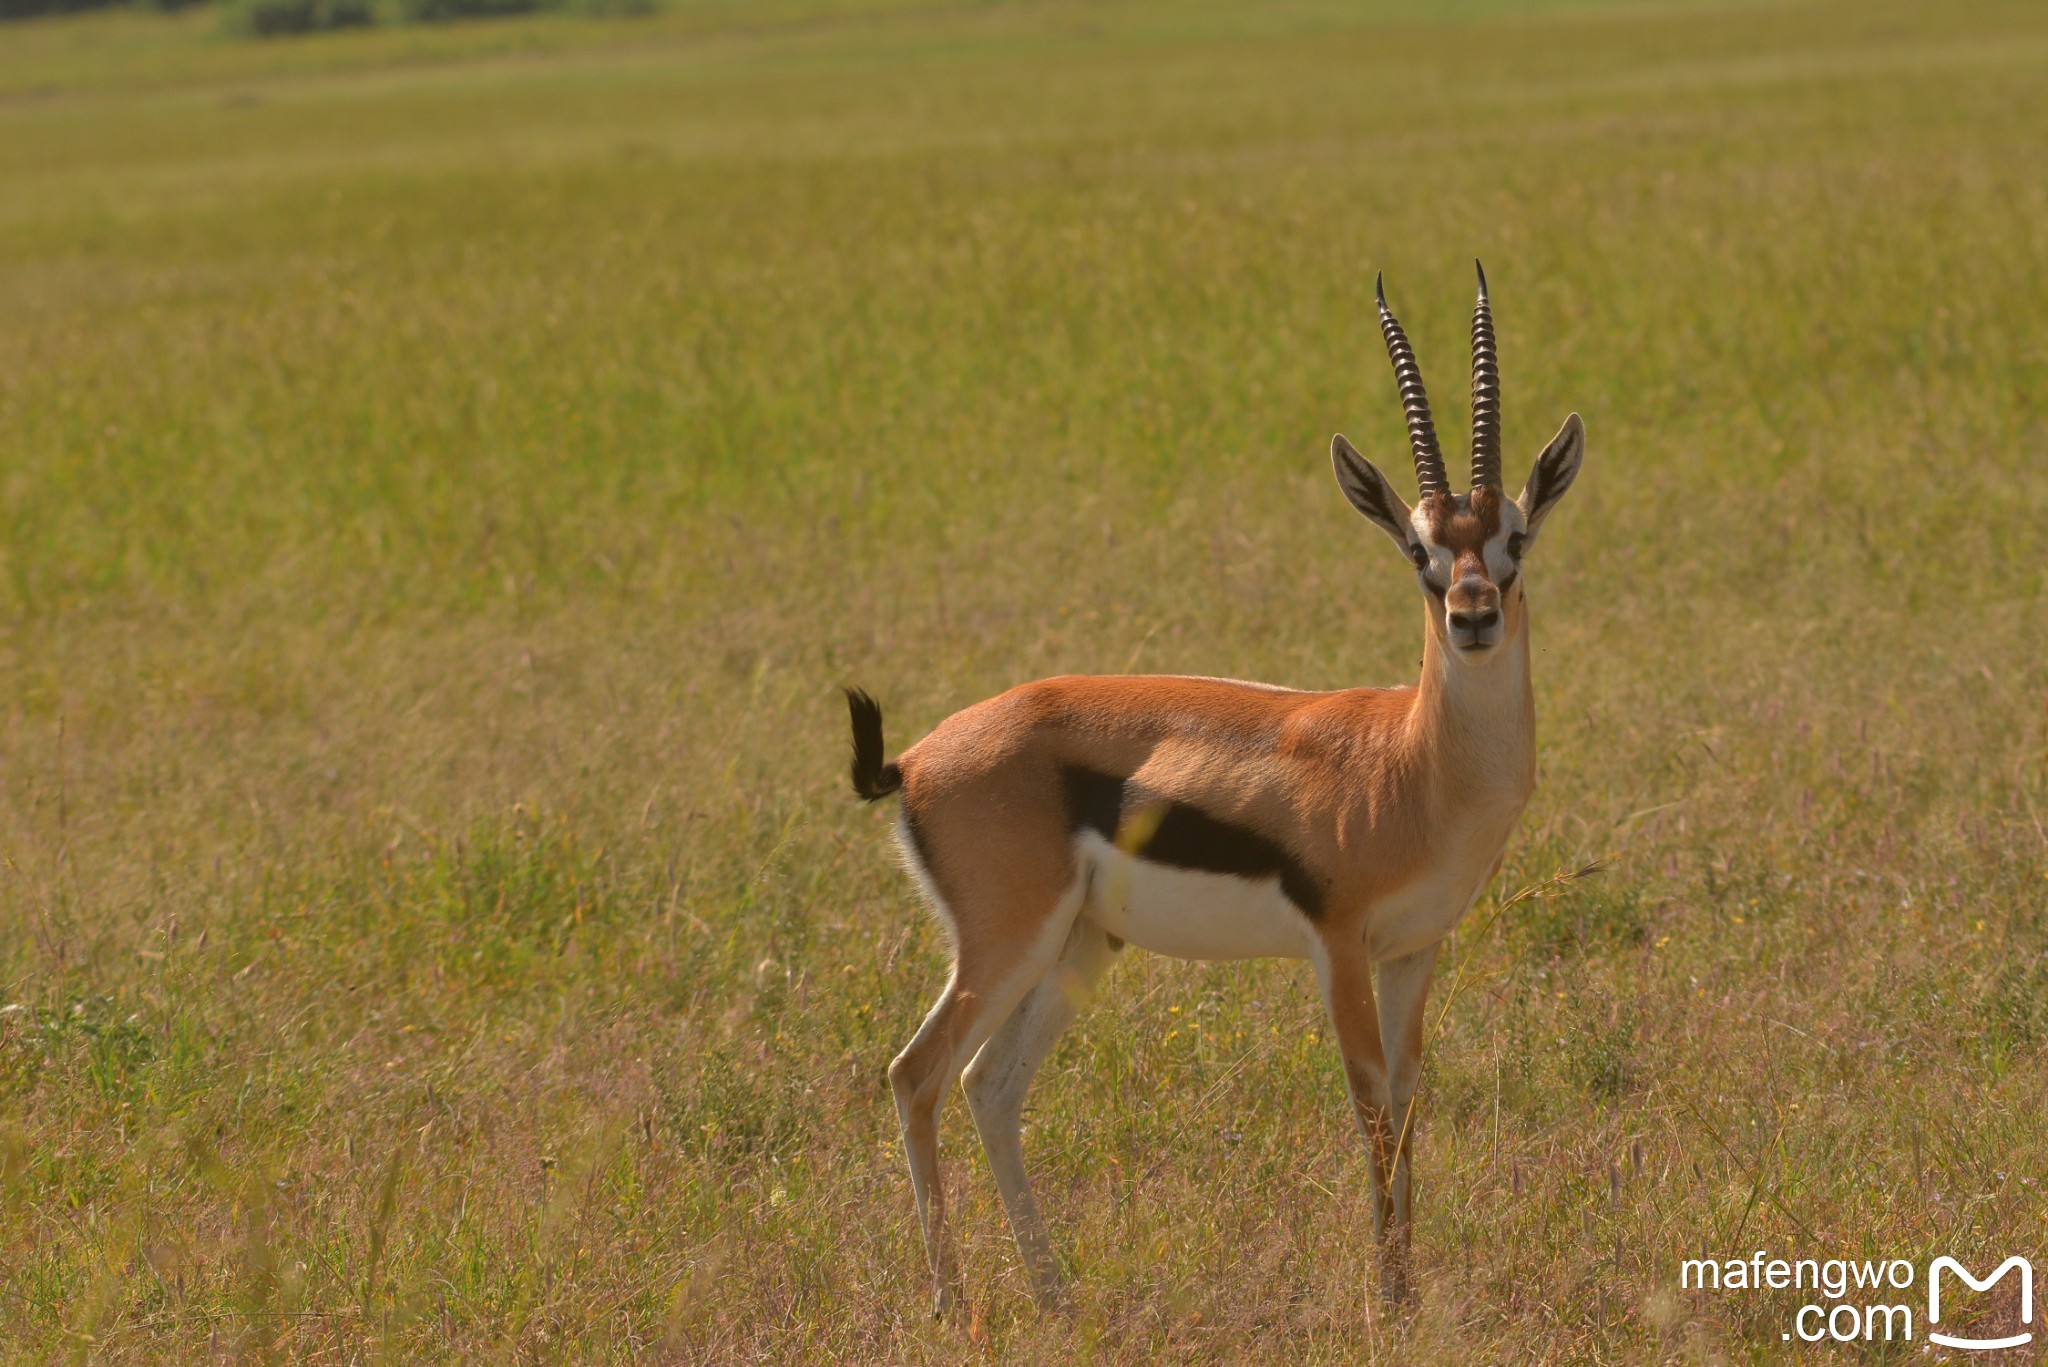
(1429, 461)
(1485, 393)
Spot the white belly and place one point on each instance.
(1187, 913)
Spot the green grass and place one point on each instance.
(444, 472)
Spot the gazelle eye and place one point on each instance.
(1516, 540)
(1418, 555)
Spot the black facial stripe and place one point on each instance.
(1517, 542)
(1189, 838)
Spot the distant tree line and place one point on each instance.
(27, 9)
(264, 18)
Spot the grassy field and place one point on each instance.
(444, 472)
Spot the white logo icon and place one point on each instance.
(2026, 1270)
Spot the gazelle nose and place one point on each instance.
(1475, 622)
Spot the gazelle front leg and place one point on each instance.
(1403, 992)
(1346, 973)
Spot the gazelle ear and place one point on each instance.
(1369, 492)
(1555, 470)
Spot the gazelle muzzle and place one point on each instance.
(1472, 613)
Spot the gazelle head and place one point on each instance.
(1467, 548)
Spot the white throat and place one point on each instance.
(1483, 714)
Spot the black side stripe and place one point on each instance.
(1189, 838)
(1095, 802)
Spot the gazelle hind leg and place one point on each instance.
(990, 977)
(1001, 1074)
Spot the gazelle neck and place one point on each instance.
(1475, 724)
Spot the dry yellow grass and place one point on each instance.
(443, 474)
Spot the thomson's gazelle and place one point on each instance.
(1214, 819)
